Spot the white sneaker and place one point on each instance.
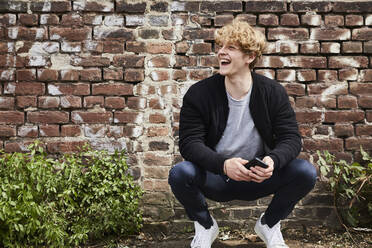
(204, 237)
(272, 237)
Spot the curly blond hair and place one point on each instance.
(245, 36)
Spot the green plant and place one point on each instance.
(351, 185)
(65, 201)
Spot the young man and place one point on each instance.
(227, 120)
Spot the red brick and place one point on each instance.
(343, 130)
(70, 47)
(47, 75)
(364, 130)
(308, 48)
(71, 20)
(265, 6)
(348, 74)
(27, 88)
(14, 146)
(219, 20)
(305, 130)
(369, 115)
(71, 102)
(157, 118)
(308, 62)
(365, 101)
(330, 47)
(112, 89)
(152, 159)
(90, 61)
(71, 34)
(70, 130)
(159, 48)
(127, 117)
(333, 20)
(79, 89)
(309, 116)
(352, 47)
(23, 33)
(330, 34)
(65, 146)
(91, 75)
(288, 34)
(347, 102)
(335, 88)
(159, 7)
(311, 19)
(135, 102)
(354, 20)
(330, 144)
(91, 117)
(179, 75)
(26, 74)
(294, 89)
(344, 116)
(116, 33)
(7, 131)
(305, 101)
(134, 75)
(115, 102)
(361, 88)
(26, 101)
(366, 75)
(91, 101)
(159, 76)
(158, 131)
(367, 47)
(156, 103)
(123, 6)
(115, 131)
(48, 117)
(27, 131)
(28, 19)
(70, 75)
(348, 61)
(286, 75)
(327, 75)
(353, 143)
(49, 19)
(159, 61)
(362, 34)
(113, 47)
(209, 61)
(289, 20)
(205, 34)
(6, 103)
(95, 47)
(135, 46)
(355, 6)
(48, 102)
(306, 75)
(49, 130)
(304, 6)
(112, 74)
(268, 20)
(60, 6)
(131, 61)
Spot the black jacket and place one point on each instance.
(204, 116)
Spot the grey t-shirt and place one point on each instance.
(240, 138)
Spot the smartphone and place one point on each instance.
(256, 162)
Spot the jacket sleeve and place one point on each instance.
(285, 129)
(193, 133)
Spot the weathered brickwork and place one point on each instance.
(113, 73)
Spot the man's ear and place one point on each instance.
(250, 57)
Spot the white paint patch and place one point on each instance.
(348, 61)
(97, 20)
(54, 90)
(116, 130)
(68, 47)
(77, 118)
(94, 132)
(108, 6)
(13, 32)
(178, 6)
(286, 62)
(15, 5)
(55, 36)
(42, 133)
(9, 88)
(50, 47)
(10, 47)
(368, 20)
(116, 120)
(40, 33)
(7, 75)
(335, 48)
(139, 118)
(44, 19)
(62, 61)
(333, 90)
(154, 76)
(134, 20)
(12, 19)
(37, 61)
(137, 131)
(91, 45)
(79, 5)
(47, 7)
(65, 103)
(150, 64)
(18, 45)
(25, 130)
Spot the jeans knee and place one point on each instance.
(306, 173)
(181, 173)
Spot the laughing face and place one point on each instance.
(233, 60)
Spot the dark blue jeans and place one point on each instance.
(191, 184)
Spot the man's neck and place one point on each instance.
(238, 85)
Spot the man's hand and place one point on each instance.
(259, 174)
(234, 169)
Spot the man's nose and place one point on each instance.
(222, 50)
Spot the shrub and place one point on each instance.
(351, 185)
(65, 201)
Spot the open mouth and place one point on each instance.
(225, 62)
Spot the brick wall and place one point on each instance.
(113, 73)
